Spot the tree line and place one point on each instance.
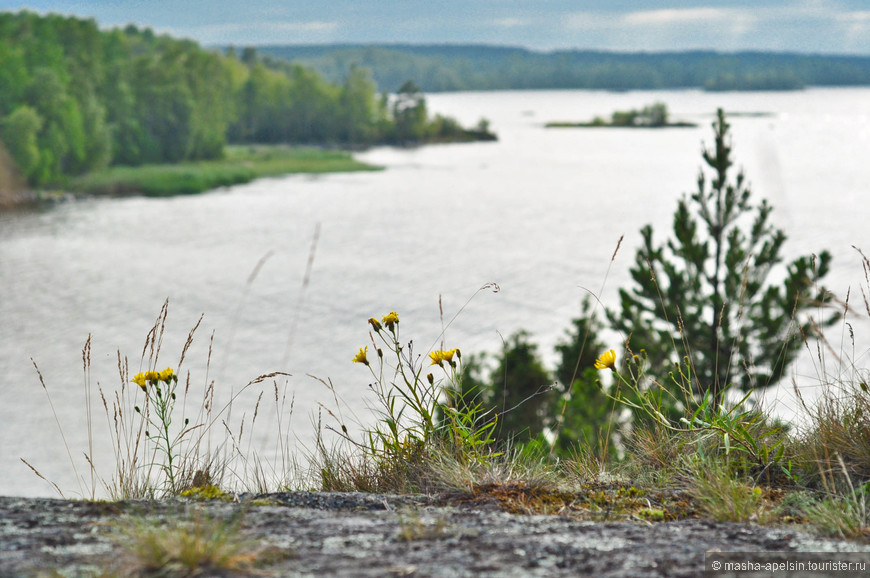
(74, 98)
(474, 67)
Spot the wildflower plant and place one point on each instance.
(739, 432)
(418, 413)
(462, 420)
(159, 388)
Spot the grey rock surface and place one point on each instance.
(348, 534)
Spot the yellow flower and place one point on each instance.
(391, 319)
(607, 360)
(376, 325)
(152, 377)
(139, 380)
(439, 357)
(361, 356)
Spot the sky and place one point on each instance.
(808, 26)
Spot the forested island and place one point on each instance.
(654, 115)
(76, 100)
(481, 67)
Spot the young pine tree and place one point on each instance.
(584, 414)
(706, 294)
(519, 391)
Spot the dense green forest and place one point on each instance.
(74, 99)
(474, 67)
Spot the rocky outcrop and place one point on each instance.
(336, 534)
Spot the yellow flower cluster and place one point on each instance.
(607, 360)
(361, 356)
(391, 319)
(439, 357)
(142, 379)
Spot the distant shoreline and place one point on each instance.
(471, 67)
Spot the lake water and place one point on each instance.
(539, 212)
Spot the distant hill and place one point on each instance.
(436, 68)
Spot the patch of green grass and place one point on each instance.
(240, 164)
(188, 546)
(727, 498)
(844, 511)
(842, 516)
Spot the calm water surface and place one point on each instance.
(539, 212)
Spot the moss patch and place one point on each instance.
(209, 492)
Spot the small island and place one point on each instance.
(651, 116)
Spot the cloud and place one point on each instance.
(855, 29)
(679, 16)
(667, 28)
(737, 22)
(663, 18)
(804, 26)
(316, 26)
(259, 32)
(510, 22)
(590, 20)
(856, 17)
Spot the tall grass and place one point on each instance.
(158, 453)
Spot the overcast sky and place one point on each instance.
(824, 26)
